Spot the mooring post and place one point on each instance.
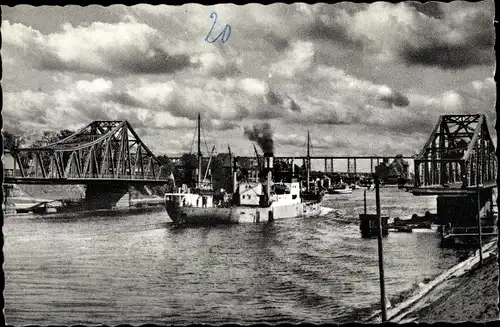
(380, 249)
(364, 196)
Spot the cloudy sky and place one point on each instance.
(365, 79)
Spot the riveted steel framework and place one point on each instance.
(459, 154)
(103, 150)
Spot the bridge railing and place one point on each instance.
(31, 174)
(473, 230)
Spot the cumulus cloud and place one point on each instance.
(100, 48)
(395, 98)
(215, 64)
(297, 59)
(99, 99)
(330, 27)
(279, 43)
(253, 86)
(273, 98)
(338, 69)
(430, 9)
(467, 39)
(449, 36)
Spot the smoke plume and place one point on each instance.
(263, 135)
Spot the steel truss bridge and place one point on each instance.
(458, 164)
(106, 156)
(101, 152)
(458, 157)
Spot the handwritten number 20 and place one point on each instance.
(223, 36)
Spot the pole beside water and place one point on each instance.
(364, 195)
(380, 249)
(478, 191)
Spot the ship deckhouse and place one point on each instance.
(250, 193)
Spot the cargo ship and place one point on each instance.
(257, 196)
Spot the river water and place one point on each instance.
(115, 268)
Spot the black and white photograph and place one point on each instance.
(301, 163)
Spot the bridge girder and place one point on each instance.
(107, 150)
(459, 153)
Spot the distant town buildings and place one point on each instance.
(392, 173)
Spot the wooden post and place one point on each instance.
(478, 190)
(380, 249)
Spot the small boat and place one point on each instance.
(341, 188)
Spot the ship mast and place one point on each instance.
(308, 164)
(199, 152)
(230, 165)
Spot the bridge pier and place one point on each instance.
(103, 196)
(461, 210)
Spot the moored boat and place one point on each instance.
(340, 188)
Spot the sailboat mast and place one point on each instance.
(308, 164)
(199, 152)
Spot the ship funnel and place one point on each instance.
(268, 161)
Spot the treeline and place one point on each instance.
(11, 141)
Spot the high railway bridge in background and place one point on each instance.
(108, 156)
(353, 171)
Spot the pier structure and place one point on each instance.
(105, 156)
(459, 165)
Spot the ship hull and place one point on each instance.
(239, 214)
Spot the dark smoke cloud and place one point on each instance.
(263, 135)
